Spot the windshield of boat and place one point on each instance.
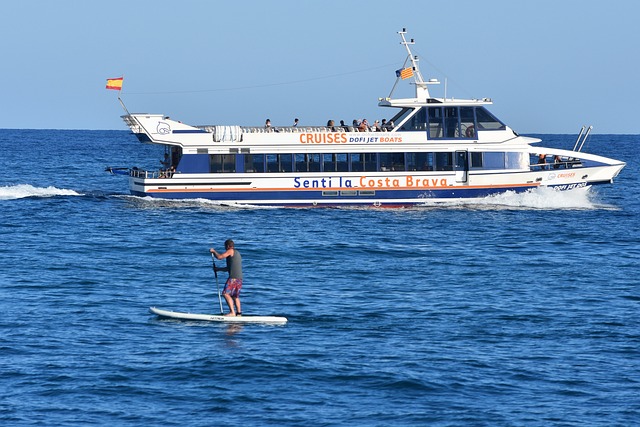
(398, 118)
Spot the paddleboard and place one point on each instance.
(218, 317)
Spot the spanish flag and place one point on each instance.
(404, 73)
(115, 84)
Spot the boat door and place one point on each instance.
(462, 166)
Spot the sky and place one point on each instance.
(550, 66)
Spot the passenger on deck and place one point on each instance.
(331, 125)
(356, 125)
(389, 126)
(295, 123)
(165, 163)
(542, 160)
(364, 125)
(383, 125)
(345, 127)
(268, 127)
(557, 162)
(377, 127)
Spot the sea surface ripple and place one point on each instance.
(518, 310)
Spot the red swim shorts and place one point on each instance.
(232, 287)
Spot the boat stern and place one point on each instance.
(160, 129)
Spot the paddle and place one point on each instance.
(215, 272)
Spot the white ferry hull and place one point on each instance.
(364, 190)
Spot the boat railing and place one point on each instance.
(140, 173)
(133, 124)
(565, 164)
(293, 129)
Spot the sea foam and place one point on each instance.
(22, 191)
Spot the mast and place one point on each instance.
(422, 91)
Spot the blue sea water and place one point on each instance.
(519, 310)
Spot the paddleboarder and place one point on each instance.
(233, 285)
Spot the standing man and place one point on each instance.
(233, 285)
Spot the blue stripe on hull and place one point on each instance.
(296, 197)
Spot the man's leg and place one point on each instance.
(229, 300)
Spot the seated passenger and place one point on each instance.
(364, 126)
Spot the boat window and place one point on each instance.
(487, 121)
(314, 162)
(417, 122)
(343, 164)
(272, 163)
(398, 118)
(279, 163)
(444, 161)
(391, 162)
(328, 163)
(419, 161)
(435, 122)
(515, 160)
(364, 162)
(335, 162)
(302, 163)
(357, 162)
(307, 162)
(494, 160)
(476, 160)
(254, 163)
(286, 163)
(451, 124)
(467, 122)
(222, 163)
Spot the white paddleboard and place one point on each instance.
(218, 317)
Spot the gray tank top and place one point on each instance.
(234, 263)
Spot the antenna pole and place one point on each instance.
(411, 57)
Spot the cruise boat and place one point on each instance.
(432, 149)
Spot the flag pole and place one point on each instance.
(123, 106)
(120, 99)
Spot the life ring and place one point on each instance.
(470, 132)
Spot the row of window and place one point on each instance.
(362, 162)
(448, 122)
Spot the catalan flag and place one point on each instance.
(404, 73)
(115, 84)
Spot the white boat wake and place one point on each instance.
(21, 191)
(539, 198)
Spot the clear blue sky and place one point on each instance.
(549, 65)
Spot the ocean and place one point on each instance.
(518, 310)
